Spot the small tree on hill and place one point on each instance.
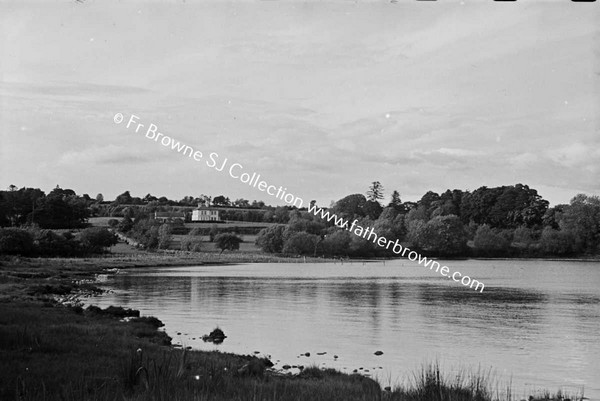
(96, 239)
(227, 241)
(375, 192)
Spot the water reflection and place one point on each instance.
(541, 331)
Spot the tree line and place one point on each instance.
(496, 222)
(505, 221)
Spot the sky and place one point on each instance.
(320, 97)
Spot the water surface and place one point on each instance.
(537, 323)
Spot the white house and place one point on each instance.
(205, 214)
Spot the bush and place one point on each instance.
(490, 243)
(337, 243)
(164, 236)
(192, 243)
(49, 243)
(301, 243)
(443, 235)
(559, 243)
(271, 239)
(15, 241)
(126, 225)
(113, 223)
(96, 239)
(227, 241)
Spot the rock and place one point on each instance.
(307, 354)
(216, 336)
(378, 353)
(335, 357)
(388, 388)
(286, 367)
(321, 353)
(257, 352)
(355, 371)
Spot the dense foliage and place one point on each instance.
(491, 222)
(36, 241)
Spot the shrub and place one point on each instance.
(191, 243)
(271, 239)
(96, 239)
(301, 243)
(227, 241)
(489, 242)
(49, 243)
(15, 241)
(164, 236)
(113, 223)
(126, 225)
(559, 243)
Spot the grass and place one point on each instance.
(53, 349)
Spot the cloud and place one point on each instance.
(105, 155)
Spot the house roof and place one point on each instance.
(169, 214)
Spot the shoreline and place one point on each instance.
(30, 288)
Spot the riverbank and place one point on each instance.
(52, 351)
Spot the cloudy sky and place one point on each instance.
(320, 97)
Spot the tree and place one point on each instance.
(15, 241)
(227, 241)
(220, 201)
(96, 239)
(241, 202)
(271, 239)
(350, 206)
(149, 198)
(582, 219)
(145, 231)
(99, 198)
(396, 202)
(124, 198)
(375, 192)
(337, 243)
(20, 206)
(504, 207)
(301, 243)
(524, 237)
(372, 209)
(192, 242)
(553, 215)
(61, 208)
(214, 231)
(164, 236)
(558, 243)
(125, 225)
(444, 235)
(489, 243)
(188, 201)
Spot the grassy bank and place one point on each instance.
(50, 351)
